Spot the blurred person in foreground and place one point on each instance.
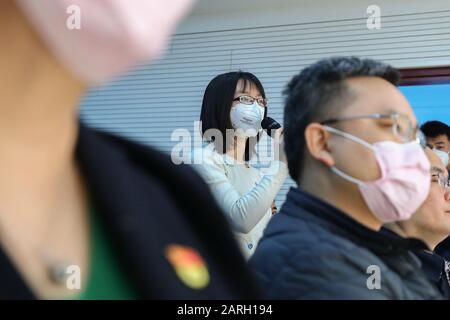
(351, 143)
(431, 223)
(77, 202)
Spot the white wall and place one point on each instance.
(274, 40)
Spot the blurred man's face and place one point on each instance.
(440, 142)
(372, 95)
(433, 217)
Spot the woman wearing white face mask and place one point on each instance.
(234, 104)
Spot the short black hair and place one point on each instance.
(320, 91)
(217, 103)
(432, 129)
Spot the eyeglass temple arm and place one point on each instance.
(370, 116)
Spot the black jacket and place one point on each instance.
(443, 249)
(434, 267)
(146, 203)
(311, 250)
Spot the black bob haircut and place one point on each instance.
(432, 129)
(320, 91)
(216, 107)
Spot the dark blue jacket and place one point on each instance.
(437, 270)
(311, 250)
(434, 267)
(443, 249)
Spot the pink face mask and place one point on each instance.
(113, 35)
(404, 183)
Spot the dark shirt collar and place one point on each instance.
(436, 270)
(348, 227)
(432, 264)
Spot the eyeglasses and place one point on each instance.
(250, 100)
(401, 125)
(442, 181)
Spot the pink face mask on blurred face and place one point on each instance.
(113, 35)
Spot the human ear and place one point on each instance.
(317, 143)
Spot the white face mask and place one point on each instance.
(444, 156)
(246, 119)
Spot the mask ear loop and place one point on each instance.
(349, 136)
(346, 176)
(355, 139)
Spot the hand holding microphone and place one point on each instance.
(270, 125)
(275, 131)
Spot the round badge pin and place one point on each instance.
(189, 265)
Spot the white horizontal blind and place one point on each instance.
(148, 104)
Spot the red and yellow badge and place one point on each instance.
(189, 266)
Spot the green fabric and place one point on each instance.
(106, 279)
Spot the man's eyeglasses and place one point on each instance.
(441, 180)
(250, 100)
(401, 125)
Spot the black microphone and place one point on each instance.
(270, 124)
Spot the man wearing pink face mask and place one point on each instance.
(351, 141)
(86, 215)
